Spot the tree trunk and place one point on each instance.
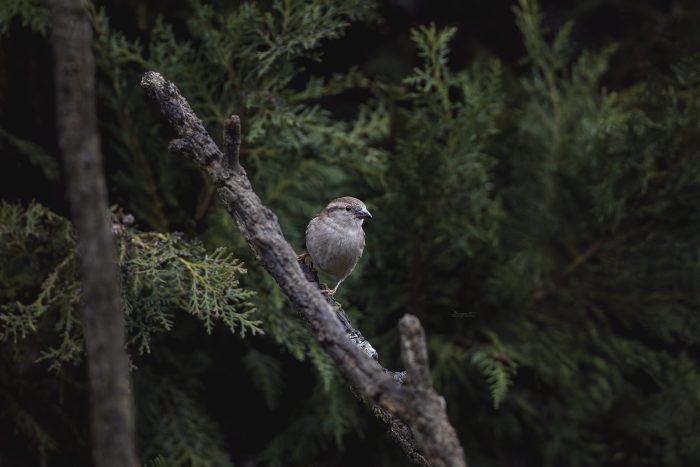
(112, 419)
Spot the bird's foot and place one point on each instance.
(328, 292)
(302, 257)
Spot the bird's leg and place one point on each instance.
(302, 257)
(330, 292)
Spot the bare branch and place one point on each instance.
(423, 411)
(399, 432)
(232, 142)
(103, 322)
(414, 353)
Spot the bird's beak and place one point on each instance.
(363, 214)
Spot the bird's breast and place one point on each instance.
(334, 251)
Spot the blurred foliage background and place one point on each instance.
(534, 175)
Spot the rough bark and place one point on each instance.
(399, 432)
(112, 420)
(418, 407)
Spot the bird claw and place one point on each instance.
(302, 257)
(328, 292)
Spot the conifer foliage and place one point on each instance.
(543, 227)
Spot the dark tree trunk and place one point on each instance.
(103, 321)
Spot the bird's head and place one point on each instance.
(347, 211)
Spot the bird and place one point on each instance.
(335, 239)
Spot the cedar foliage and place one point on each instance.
(542, 227)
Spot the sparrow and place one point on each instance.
(335, 239)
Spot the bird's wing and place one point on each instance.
(362, 248)
(309, 226)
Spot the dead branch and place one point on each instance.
(417, 405)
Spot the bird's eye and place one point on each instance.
(348, 208)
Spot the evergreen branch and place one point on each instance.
(582, 258)
(548, 60)
(37, 156)
(426, 416)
